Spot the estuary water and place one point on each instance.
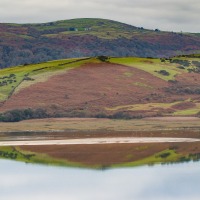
(21, 181)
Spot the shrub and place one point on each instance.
(103, 58)
(164, 72)
(181, 67)
(165, 155)
(28, 79)
(162, 59)
(185, 63)
(18, 115)
(101, 115)
(173, 81)
(196, 63)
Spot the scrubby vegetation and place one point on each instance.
(18, 115)
(23, 76)
(164, 72)
(103, 58)
(136, 87)
(184, 63)
(16, 153)
(34, 43)
(25, 114)
(119, 115)
(183, 90)
(5, 80)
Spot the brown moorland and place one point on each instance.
(88, 91)
(55, 40)
(91, 87)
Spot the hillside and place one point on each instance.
(35, 43)
(128, 87)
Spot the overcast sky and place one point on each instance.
(172, 15)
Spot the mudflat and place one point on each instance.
(88, 141)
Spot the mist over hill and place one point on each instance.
(34, 43)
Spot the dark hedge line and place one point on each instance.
(25, 114)
(119, 115)
(19, 115)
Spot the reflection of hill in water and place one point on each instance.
(105, 155)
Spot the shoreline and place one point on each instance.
(99, 141)
(98, 124)
(78, 128)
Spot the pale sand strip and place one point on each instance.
(86, 141)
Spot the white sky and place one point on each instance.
(171, 15)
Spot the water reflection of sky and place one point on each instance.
(19, 181)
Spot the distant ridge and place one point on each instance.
(88, 37)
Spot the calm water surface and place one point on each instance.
(20, 181)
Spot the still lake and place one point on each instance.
(20, 181)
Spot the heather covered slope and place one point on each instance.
(33, 43)
(95, 87)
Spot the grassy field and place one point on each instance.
(160, 106)
(186, 112)
(16, 78)
(17, 154)
(64, 125)
(20, 77)
(139, 86)
(165, 156)
(105, 29)
(148, 106)
(152, 66)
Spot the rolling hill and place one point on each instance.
(35, 43)
(113, 87)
